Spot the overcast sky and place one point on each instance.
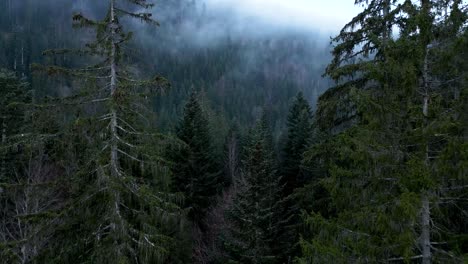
(322, 15)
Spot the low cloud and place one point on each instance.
(307, 15)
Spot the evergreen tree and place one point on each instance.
(380, 175)
(119, 210)
(299, 125)
(254, 215)
(30, 191)
(298, 138)
(13, 98)
(383, 175)
(371, 31)
(196, 173)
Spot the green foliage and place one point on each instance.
(86, 178)
(30, 190)
(14, 100)
(196, 173)
(377, 173)
(364, 37)
(298, 139)
(120, 209)
(255, 212)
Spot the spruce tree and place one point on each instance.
(299, 134)
(384, 180)
(195, 171)
(255, 212)
(371, 31)
(119, 209)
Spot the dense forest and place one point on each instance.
(140, 131)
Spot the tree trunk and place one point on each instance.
(233, 161)
(113, 87)
(388, 27)
(425, 242)
(114, 155)
(425, 231)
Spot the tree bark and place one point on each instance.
(113, 88)
(387, 25)
(425, 242)
(425, 231)
(114, 155)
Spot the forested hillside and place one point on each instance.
(141, 131)
(192, 48)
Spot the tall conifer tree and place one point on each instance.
(299, 135)
(195, 171)
(119, 210)
(298, 138)
(255, 212)
(383, 175)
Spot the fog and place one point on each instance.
(255, 51)
(307, 15)
(211, 21)
(207, 22)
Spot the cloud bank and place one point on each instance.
(325, 16)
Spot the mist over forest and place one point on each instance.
(221, 131)
(255, 62)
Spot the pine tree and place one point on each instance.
(119, 210)
(196, 173)
(254, 215)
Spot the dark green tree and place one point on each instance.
(195, 170)
(298, 137)
(30, 191)
(14, 96)
(255, 212)
(370, 30)
(299, 134)
(383, 175)
(119, 208)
